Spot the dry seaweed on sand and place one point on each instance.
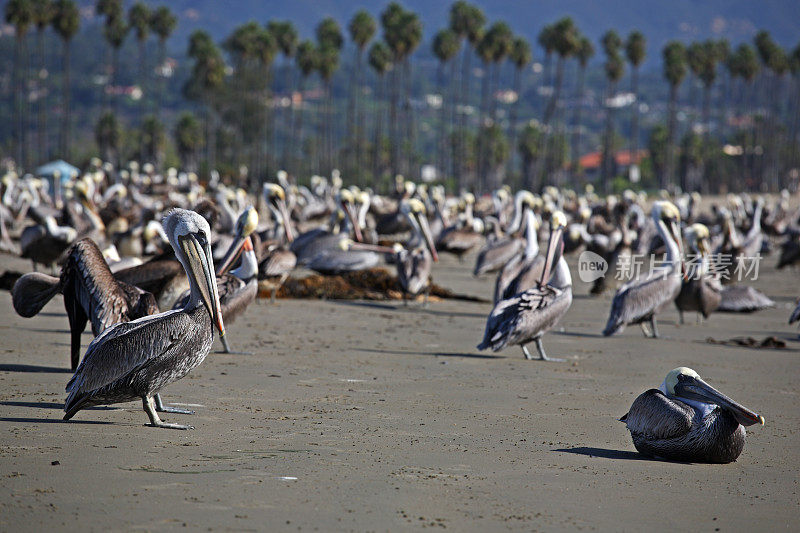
(750, 342)
(371, 284)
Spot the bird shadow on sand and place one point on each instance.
(10, 367)
(578, 334)
(46, 330)
(412, 307)
(52, 421)
(54, 405)
(433, 354)
(604, 453)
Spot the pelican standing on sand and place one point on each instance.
(687, 419)
(530, 314)
(137, 359)
(415, 261)
(639, 301)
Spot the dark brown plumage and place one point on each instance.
(90, 294)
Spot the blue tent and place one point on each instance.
(65, 170)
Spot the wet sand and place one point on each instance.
(371, 417)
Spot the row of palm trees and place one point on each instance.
(251, 116)
(63, 16)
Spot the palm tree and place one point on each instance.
(266, 48)
(674, 55)
(362, 29)
(547, 42)
(694, 59)
(584, 54)
(115, 30)
(520, 56)
(503, 41)
(208, 75)
(189, 140)
(43, 12)
(162, 23)
(285, 35)
(614, 68)
(152, 142)
(19, 13)
(564, 38)
(66, 22)
(380, 59)
(307, 59)
(467, 21)
(743, 63)
(530, 144)
(445, 48)
(139, 20)
(635, 51)
(107, 134)
(330, 41)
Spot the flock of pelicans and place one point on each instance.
(156, 263)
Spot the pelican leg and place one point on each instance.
(226, 348)
(680, 314)
(528, 355)
(542, 355)
(272, 295)
(653, 326)
(425, 299)
(150, 409)
(161, 408)
(645, 329)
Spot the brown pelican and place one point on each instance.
(639, 301)
(530, 314)
(496, 253)
(464, 235)
(415, 260)
(137, 359)
(90, 294)
(238, 288)
(687, 419)
(701, 290)
(743, 299)
(524, 270)
(44, 243)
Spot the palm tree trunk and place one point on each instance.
(576, 138)
(635, 114)
(462, 120)
(667, 178)
(162, 57)
(378, 136)
(25, 114)
(299, 132)
(42, 147)
(16, 147)
(114, 65)
(394, 148)
(65, 104)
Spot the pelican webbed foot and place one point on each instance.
(161, 408)
(542, 355)
(653, 326)
(155, 421)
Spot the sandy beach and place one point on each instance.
(367, 416)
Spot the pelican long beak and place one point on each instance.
(676, 234)
(364, 247)
(426, 233)
(233, 253)
(694, 388)
(287, 220)
(201, 271)
(349, 210)
(552, 248)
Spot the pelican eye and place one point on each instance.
(201, 239)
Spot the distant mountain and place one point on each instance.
(659, 20)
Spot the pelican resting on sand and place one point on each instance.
(137, 359)
(528, 315)
(639, 301)
(687, 419)
(415, 261)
